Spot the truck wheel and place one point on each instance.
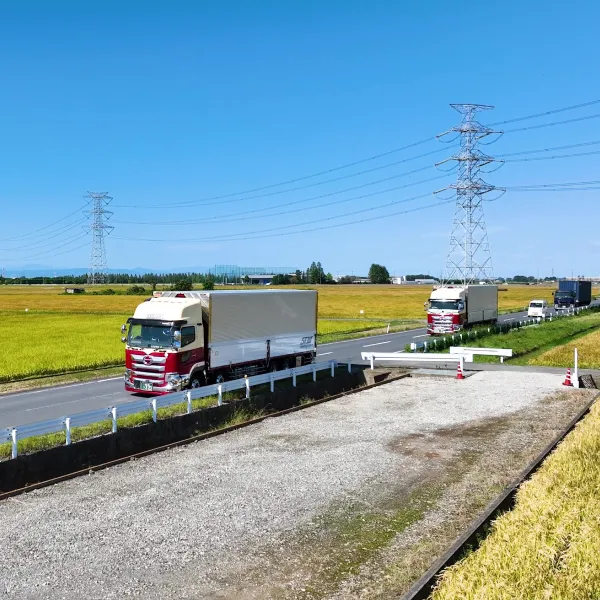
(196, 382)
(219, 378)
(273, 367)
(287, 364)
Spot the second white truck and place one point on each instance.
(452, 308)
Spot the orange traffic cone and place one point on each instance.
(459, 372)
(567, 380)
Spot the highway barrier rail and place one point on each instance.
(468, 353)
(374, 357)
(65, 424)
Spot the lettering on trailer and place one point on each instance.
(307, 341)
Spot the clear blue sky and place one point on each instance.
(172, 102)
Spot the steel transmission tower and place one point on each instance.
(99, 215)
(469, 258)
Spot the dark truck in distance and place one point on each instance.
(572, 293)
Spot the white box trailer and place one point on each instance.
(482, 303)
(247, 326)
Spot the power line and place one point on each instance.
(320, 220)
(36, 247)
(594, 116)
(24, 235)
(312, 229)
(568, 147)
(288, 190)
(572, 155)
(241, 215)
(52, 250)
(546, 113)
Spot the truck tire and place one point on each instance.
(196, 381)
(287, 364)
(273, 367)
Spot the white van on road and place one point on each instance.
(538, 308)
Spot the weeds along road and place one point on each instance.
(23, 408)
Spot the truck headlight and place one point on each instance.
(127, 373)
(173, 377)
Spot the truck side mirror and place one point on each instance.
(177, 336)
(123, 328)
(123, 339)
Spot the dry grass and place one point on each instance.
(335, 301)
(549, 545)
(588, 348)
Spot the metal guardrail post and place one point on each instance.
(220, 395)
(333, 368)
(349, 365)
(372, 362)
(68, 431)
(154, 409)
(247, 383)
(314, 372)
(113, 412)
(13, 437)
(293, 378)
(188, 397)
(272, 382)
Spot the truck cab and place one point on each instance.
(165, 346)
(446, 311)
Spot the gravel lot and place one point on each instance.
(187, 522)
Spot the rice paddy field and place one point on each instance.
(52, 332)
(548, 546)
(588, 348)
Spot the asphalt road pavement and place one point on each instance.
(23, 408)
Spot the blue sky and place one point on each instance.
(163, 103)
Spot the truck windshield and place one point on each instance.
(444, 304)
(563, 295)
(150, 336)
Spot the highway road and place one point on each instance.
(22, 408)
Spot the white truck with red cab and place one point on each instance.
(452, 308)
(177, 340)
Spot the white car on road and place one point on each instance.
(538, 308)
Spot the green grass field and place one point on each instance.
(62, 332)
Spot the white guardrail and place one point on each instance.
(468, 353)
(66, 424)
(457, 354)
(410, 357)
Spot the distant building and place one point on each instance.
(74, 290)
(401, 280)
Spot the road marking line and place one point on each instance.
(367, 337)
(377, 344)
(325, 354)
(418, 336)
(110, 379)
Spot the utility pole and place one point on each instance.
(469, 258)
(98, 214)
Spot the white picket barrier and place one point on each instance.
(113, 413)
(468, 353)
(374, 357)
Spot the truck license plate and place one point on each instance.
(144, 385)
